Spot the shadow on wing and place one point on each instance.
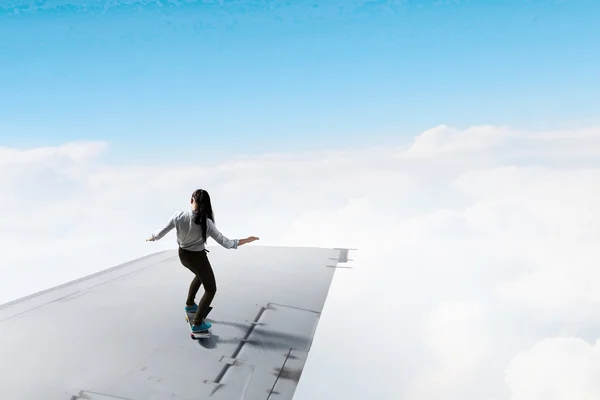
(263, 339)
(262, 333)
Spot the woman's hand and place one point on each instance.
(151, 239)
(249, 239)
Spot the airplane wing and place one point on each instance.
(122, 334)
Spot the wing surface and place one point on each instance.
(122, 334)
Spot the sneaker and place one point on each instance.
(191, 309)
(202, 327)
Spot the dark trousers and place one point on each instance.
(198, 263)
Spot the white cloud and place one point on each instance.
(557, 369)
(76, 151)
(446, 141)
(455, 340)
(475, 244)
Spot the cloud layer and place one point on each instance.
(476, 276)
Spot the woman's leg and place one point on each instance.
(206, 275)
(198, 263)
(186, 260)
(193, 291)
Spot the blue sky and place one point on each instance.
(259, 76)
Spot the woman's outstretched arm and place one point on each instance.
(166, 229)
(213, 232)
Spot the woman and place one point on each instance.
(192, 228)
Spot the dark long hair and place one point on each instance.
(204, 209)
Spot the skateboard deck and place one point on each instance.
(189, 317)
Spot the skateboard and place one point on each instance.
(189, 317)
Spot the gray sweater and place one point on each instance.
(189, 235)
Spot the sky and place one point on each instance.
(455, 144)
(168, 77)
